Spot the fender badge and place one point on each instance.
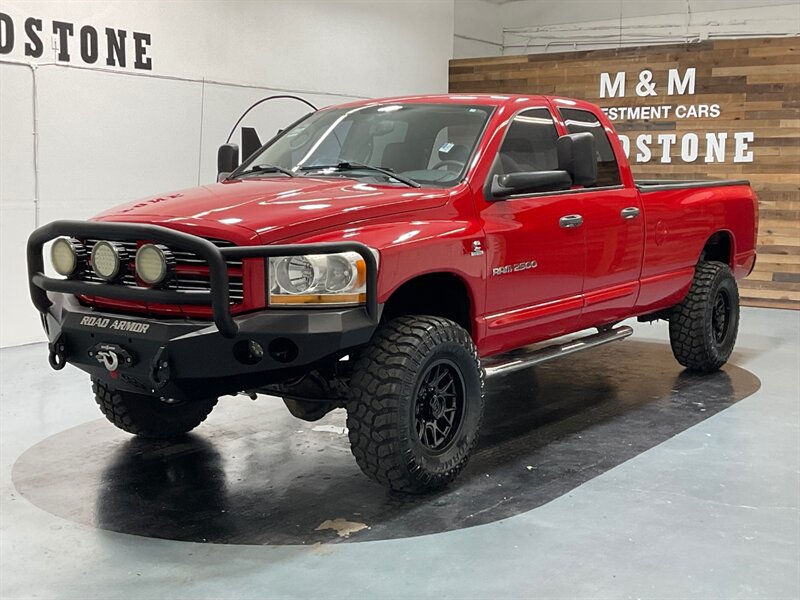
(523, 266)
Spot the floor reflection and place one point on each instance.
(256, 475)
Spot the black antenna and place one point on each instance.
(278, 97)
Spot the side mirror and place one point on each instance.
(577, 155)
(250, 142)
(530, 182)
(227, 160)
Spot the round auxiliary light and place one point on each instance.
(153, 263)
(66, 255)
(107, 259)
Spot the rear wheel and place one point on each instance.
(416, 404)
(150, 416)
(703, 328)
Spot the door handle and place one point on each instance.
(570, 221)
(629, 213)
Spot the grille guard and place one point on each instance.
(218, 296)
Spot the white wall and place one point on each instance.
(538, 26)
(107, 135)
(478, 29)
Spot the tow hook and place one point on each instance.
(112, 356)
(109, 359)
(159, 368)
(57, 357)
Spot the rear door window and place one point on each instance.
(577, 121)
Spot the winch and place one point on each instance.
(111, 356)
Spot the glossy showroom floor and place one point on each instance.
(609, 474)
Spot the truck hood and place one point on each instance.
(277, 208)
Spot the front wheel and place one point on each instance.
(416, 404)
(703, 328)
(150, 416)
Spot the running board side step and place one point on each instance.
(515, 361)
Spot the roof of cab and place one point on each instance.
(472, 99)
(476, 99)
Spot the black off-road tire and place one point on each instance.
(148, 416)
(703, 328)
(393, 394)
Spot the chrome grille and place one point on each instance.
(183, 281)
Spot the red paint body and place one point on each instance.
(602, 272)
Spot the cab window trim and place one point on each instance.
(580, 190)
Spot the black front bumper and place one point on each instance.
(177, 358)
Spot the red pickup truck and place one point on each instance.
(386, 257)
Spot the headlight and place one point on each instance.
(107, 259)
(318, 279)
(154, 263)
(66, 255)
(298, 274)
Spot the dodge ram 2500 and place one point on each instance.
(387, 257)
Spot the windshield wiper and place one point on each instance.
(265, 169)
(349, 165)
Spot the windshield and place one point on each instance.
(427, 144)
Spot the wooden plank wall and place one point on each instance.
(755, 82)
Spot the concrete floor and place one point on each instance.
(711, 512)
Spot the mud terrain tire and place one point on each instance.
(416, 404)
(148, 416)
(703, 328)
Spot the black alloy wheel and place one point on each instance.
(439, 406)
(721, 315)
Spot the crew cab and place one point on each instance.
(386, 257)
